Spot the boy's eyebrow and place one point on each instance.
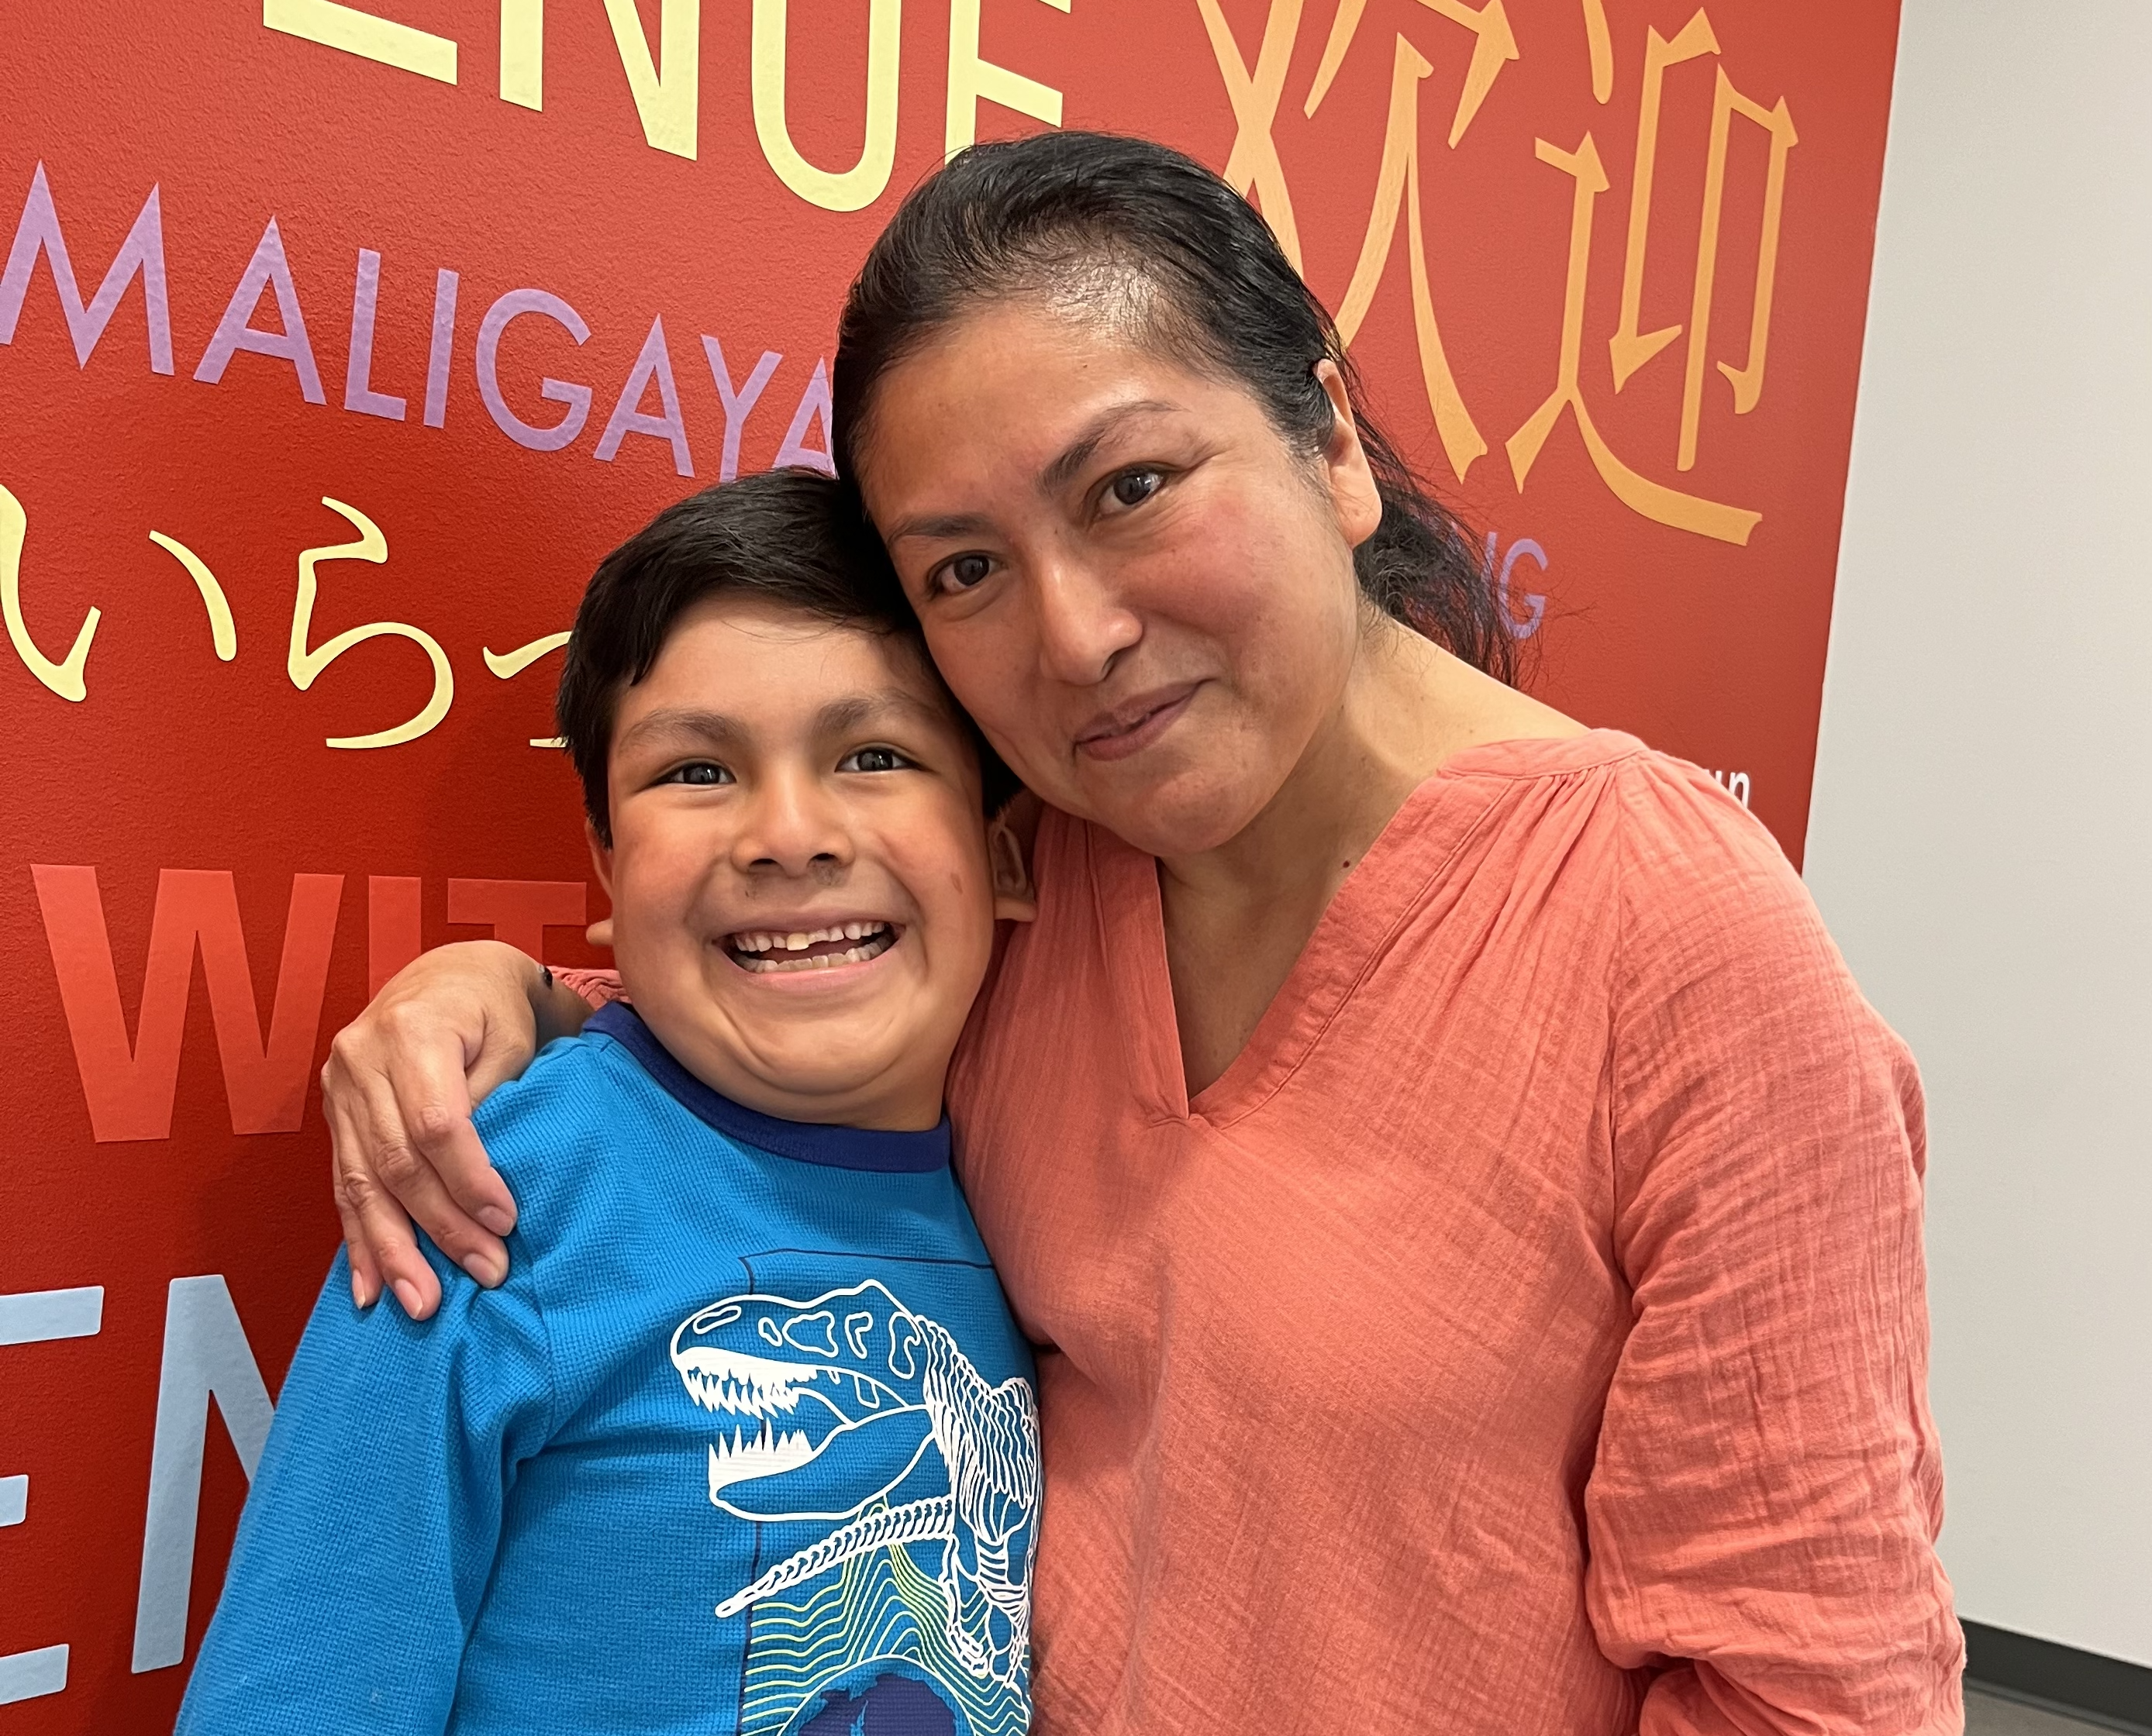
(840, 716)
(716, 728)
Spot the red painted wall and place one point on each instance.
(169, 445)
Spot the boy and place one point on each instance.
(747, 1442)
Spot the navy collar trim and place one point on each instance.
(808, 1141)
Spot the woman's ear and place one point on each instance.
(599, 933)
(1014, 900)
(1353, 495)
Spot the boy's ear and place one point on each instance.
(600, 933)
(1014, 900)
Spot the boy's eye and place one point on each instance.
(873, 759)
(1132, 487)
(701, 773)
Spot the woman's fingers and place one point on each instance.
(397, 1090)
(375, 1223)
(365, 1274)
(441, 1158)
(383, 1250)
(423, 1138)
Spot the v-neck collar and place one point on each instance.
(1384, 890)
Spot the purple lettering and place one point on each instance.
(578, 398)
(736, 402)
(813, 408)
(358, 393)
(267, 270)
(143, 251)
(629, 417)
(437, 356)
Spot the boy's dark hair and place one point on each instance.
(794, 538)
(1145, 230)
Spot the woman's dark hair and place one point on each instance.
(1061, 212)
(794, 538)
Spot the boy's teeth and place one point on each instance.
(761, 940)
(751, 948)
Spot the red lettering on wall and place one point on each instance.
(130, 1089)
(520, 911)
(391, 927)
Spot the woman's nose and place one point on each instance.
(793, 828)
(1083, 626)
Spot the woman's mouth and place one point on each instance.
(771, 951)
(1135, 726)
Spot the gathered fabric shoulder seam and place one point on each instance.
(1613, 757)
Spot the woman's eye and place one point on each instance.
(701, 773)
(874, 759)
(1132, 487)
(967, 570)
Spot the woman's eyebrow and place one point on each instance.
(950, 527)
(1080, 451)
(939, 527)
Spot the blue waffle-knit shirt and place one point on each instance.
(747, 1443)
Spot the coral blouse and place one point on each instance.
(1525, 1337)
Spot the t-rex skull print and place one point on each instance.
(850, 1410)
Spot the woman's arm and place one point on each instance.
(1763, 1509)
(398, 1089)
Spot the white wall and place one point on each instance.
(1981, 836)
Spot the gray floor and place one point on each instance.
(1985, 1716)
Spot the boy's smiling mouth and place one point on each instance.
(772, 951)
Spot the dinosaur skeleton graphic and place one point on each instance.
(859, 1412)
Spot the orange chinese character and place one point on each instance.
(1630, 349)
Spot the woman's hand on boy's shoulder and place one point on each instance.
(397, 1090)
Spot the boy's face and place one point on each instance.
(802, 897)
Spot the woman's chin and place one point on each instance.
(1181, 818)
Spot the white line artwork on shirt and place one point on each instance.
(842, 1400)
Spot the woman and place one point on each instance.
(1474, 1218)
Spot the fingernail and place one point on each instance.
(358, 1291)
(407, 1292)
(482, 1270)
(497, 1220)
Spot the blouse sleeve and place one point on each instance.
(1763, 1508)
(597, 987)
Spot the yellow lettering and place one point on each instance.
(65, 676)
(1639, 494)
(523, 52)
(862, 183)
(303, 665)
(667, 104)
(1496, 46)
(1631, 350)
(507, 664)
(1397, 184)
(973, 81)
(363, 34)
(223, 632)
(1601, 45)
(1255, 99)
(1747, 379)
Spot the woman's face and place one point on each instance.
(1144, 595)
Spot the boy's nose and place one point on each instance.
(793, 829)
